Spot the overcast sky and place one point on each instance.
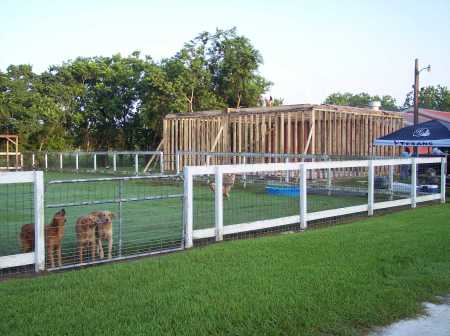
(310, 48)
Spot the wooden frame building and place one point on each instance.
(294, 129)
(10, 157)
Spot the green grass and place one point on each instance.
(336, 281)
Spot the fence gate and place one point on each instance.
(21, 222)
(146, 214)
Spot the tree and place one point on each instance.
(361, 100)
(430, 97)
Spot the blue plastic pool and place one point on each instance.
(281, 190)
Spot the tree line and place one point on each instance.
(103, 103)
(430, 97)
(119, 102)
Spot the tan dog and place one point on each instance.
(85, 230)
(104, 231)
(54, 233)
(228, 182)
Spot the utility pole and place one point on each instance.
(416, 92)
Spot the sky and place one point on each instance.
(310, 48)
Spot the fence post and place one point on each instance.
(391, 182)
(244, 161)
(114, 161)
(46, 160)
(218, 204)
(60, 161)
(177, 162)
(77, 163)
(161, 162)
(443, 178)
(120, 216)
(188, 208)
(413, 182)
(136, 164)
(95, 162)
(371, 187)
(33, 160)
(21, 161)
(39, 219)
(329, 181)
(286, 160)
(303, 197)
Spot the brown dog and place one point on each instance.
(54, 233)
(85, 230)
(104, 231)
(228, 182)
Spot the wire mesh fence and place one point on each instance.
(115, 218)
(286, 196)
(16, 210)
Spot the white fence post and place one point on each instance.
(114, 161)
(77, 162)
(136, 164)
(371, 187)
(329, 180)
(443, 178)
(95, 162)
(177, 162)
(244, 161)
(218, 204)
(391, 182)
(413, 182)
(33, 160)
(46, 160)
(303, 197)
(188, 208)
(161, 162)
(39, 226)
(60, 161)
(286, 160)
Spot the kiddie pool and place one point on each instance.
(281, 190)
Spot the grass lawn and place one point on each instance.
(340, 280)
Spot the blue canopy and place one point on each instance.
(433, 133)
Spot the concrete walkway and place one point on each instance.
(435, 323)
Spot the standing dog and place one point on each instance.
(104, 231)
(228, 182)
(85, 230)
(54, 233)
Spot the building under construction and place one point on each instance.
(293, 129)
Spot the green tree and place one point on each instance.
(431, 97)
(361, 100)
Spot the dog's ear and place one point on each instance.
(112, 215)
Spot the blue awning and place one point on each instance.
(433, 133)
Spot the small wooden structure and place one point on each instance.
(10, 157)
(294, 129)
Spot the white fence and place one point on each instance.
(115, 161)
(37, 257)
(301, 170)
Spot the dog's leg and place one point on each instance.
(59, 255)
(110, 242)
(93, 250)
(51, 256)
(80, 252)
(100, 248)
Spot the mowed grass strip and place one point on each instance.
(335, 281)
